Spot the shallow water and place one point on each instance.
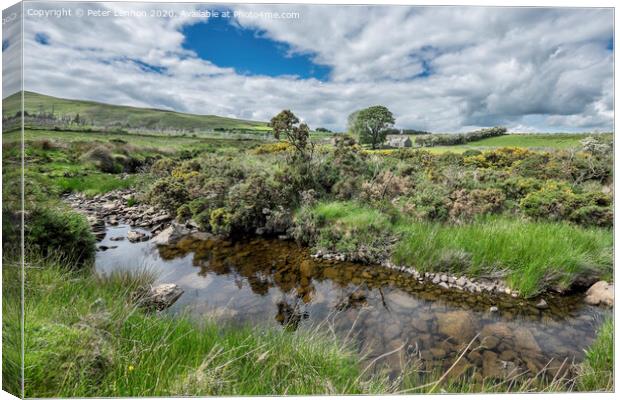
(276, 283)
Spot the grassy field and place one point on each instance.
(532, 141)
(53, 161)
(99, 114)
(158, 142)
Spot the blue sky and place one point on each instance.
(248, 51)
(440, 69)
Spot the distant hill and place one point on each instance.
(94, 114)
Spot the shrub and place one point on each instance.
(471, 153)
(553, 201)
(270, 148)
(386, 185)
(467, 204)
(50, 231)
(220, 221)
(168, 194)
(102, 158)
(183, 213)
(498, 158)
(558, 201)
(163, 167)
(517, 187)
(596, 146)
(429, 201)
(250, 201)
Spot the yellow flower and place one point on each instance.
(130, 368)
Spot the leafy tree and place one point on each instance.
(372, 124)
(296, 133)
(351, 120)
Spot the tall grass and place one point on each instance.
(93, 184)
(532, 255)
(597, 370)
(84, 337)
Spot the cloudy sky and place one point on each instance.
(443, 69)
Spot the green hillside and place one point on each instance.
(107, 115)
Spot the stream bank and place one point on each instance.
(383, 310)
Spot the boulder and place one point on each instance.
(137, 236)
(524, 340)
(601, 293)
(161, 296)
(459, 325)
(498, 329)
(170, 235)
(491, 365)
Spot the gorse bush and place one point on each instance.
(52, 231)
(467, 204)
(168, 194)
(558, 201)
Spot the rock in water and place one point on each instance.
(601, 293)
(161, 296)
(524, 339)
(136, 236)
(171, 234)
(459, 325)
(542, 304)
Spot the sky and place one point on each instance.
(441, 69)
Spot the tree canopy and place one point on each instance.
(298, 134)
(371, 124)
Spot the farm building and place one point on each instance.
(398, 141)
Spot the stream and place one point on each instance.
(275, 283)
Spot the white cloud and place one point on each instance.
(487, 66)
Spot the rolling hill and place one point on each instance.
(125, 117)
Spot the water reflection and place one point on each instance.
(276, 283)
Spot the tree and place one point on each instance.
(296, 133)
(371, 124)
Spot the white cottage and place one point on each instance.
(399, 141)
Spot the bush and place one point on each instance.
(558, 201)
(270, 148)
(429, 201)
(50, 231)
(553, 201)
(250, 201)
(498, 158)
(102, 158)
(385, 186)
(168, 194)
(163, 167)
(220, 222)
(467, 204)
